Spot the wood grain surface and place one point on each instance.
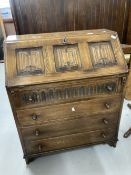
(68, 15)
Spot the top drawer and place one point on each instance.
(54, 93)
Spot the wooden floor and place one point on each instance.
(96, 160)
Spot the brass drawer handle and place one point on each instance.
(37, 133)
(103, 135)
(109, 88)
(106, 122)
(107, 105)
(34, 116)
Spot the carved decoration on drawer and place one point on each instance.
(53, 95)
(67, 58)
(30, 61)
(102, 54)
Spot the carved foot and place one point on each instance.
(29, 160)
(113, 143)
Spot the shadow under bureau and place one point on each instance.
(66, 89)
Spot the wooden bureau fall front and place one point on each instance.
(66, 89)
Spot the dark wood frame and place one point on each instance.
(72, 15)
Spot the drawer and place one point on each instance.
(83, 124)
(44, 95)
(43, 115)
(69, 141)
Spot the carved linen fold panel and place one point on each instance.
(102, 54)
(30, 61)
(67, 58)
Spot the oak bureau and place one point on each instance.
(66, 89)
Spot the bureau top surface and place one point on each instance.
(63, 56)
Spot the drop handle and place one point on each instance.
(107, 105)
(37, 133)
(34, 116)
(106, 122)
(109, 88)
(103, 135)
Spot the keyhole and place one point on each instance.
(65, 40)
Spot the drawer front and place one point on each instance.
(37, 116)
(69, 141)
(67, 127)
(57, 93)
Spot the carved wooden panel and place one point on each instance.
(29, 61)
(102, 54)
(54, 95)
(67, 58)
